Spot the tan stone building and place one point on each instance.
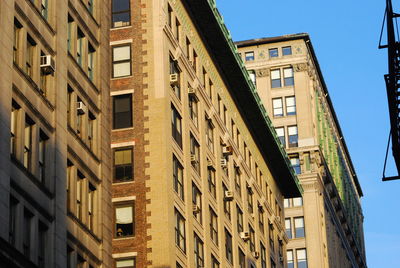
(199, 178)
(326, 226)
(55, 160)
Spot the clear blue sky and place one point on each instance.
(345, 36)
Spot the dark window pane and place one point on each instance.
(286, 51)
(273, 52)
(120, 5)
(123, 111)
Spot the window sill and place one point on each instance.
(121, 77)
(120, 28)
(122, 182)
(123, 238)
(84, 74)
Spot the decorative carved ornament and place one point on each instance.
(262, 72)
(300, 67)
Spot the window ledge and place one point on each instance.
(120, 28)
(84, 74)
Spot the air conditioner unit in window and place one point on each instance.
(174, 79)
(224, 163)
(228, 195)
(256, 254)
(193, 158)
(47, 64)
(227, 150)
(245, 236)
(193, 93)
(81, 107)
(196, 209)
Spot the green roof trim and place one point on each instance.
(223, 50)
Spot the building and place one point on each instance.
(199, 177)
(55, 160)
(326, 226)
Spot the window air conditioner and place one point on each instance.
(224, 163)
(47, 64)
(196, 209)
(193, 158)
(174, 79)
(256, 254)
(228, 195)
(227, 150)
(245, 236)
(81, 107)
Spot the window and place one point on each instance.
(193, 109)
(42, 156)
(242, 259)
(273, 265)
(261, 218)
(178, 265)
(90, 6)
(227, 202)
(121, 61)
(121, 13)
(214, 262)
(198, 252)
(30, 54)
(79, 47)
(28, 131)
(249, 56)
(211, 182)
(123, 164)
(271, 237)
(288, 76)
(286, 51)
(238, 183)
(250, 199)
(210, 134)
(91, 61)
(286, 203)
(276, 78)
(195, 153)
(70, 26)
(91, 204)
(14, 122)
(12, 224)
(290, 105)
(196, 200)
(289, 255)
(44, 9)
(16, 41)
(252, 244)
(180, 234)
(228, 246)
(125, 263)
(79, 194)
(293, 137)
(299, 227)
(297, 201)
(122, 111)
(169, 16)
(176, 126)
(263, 256)
(239, 219)
(213, 226)
(288, 228)
(178, 177)
(301, 258)
(124, 224)
(27, 234)
(278, 107)
(42, 244)
(273, 53)
(252, 75)
(280, 131)
(177, 29)
(175, 83)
